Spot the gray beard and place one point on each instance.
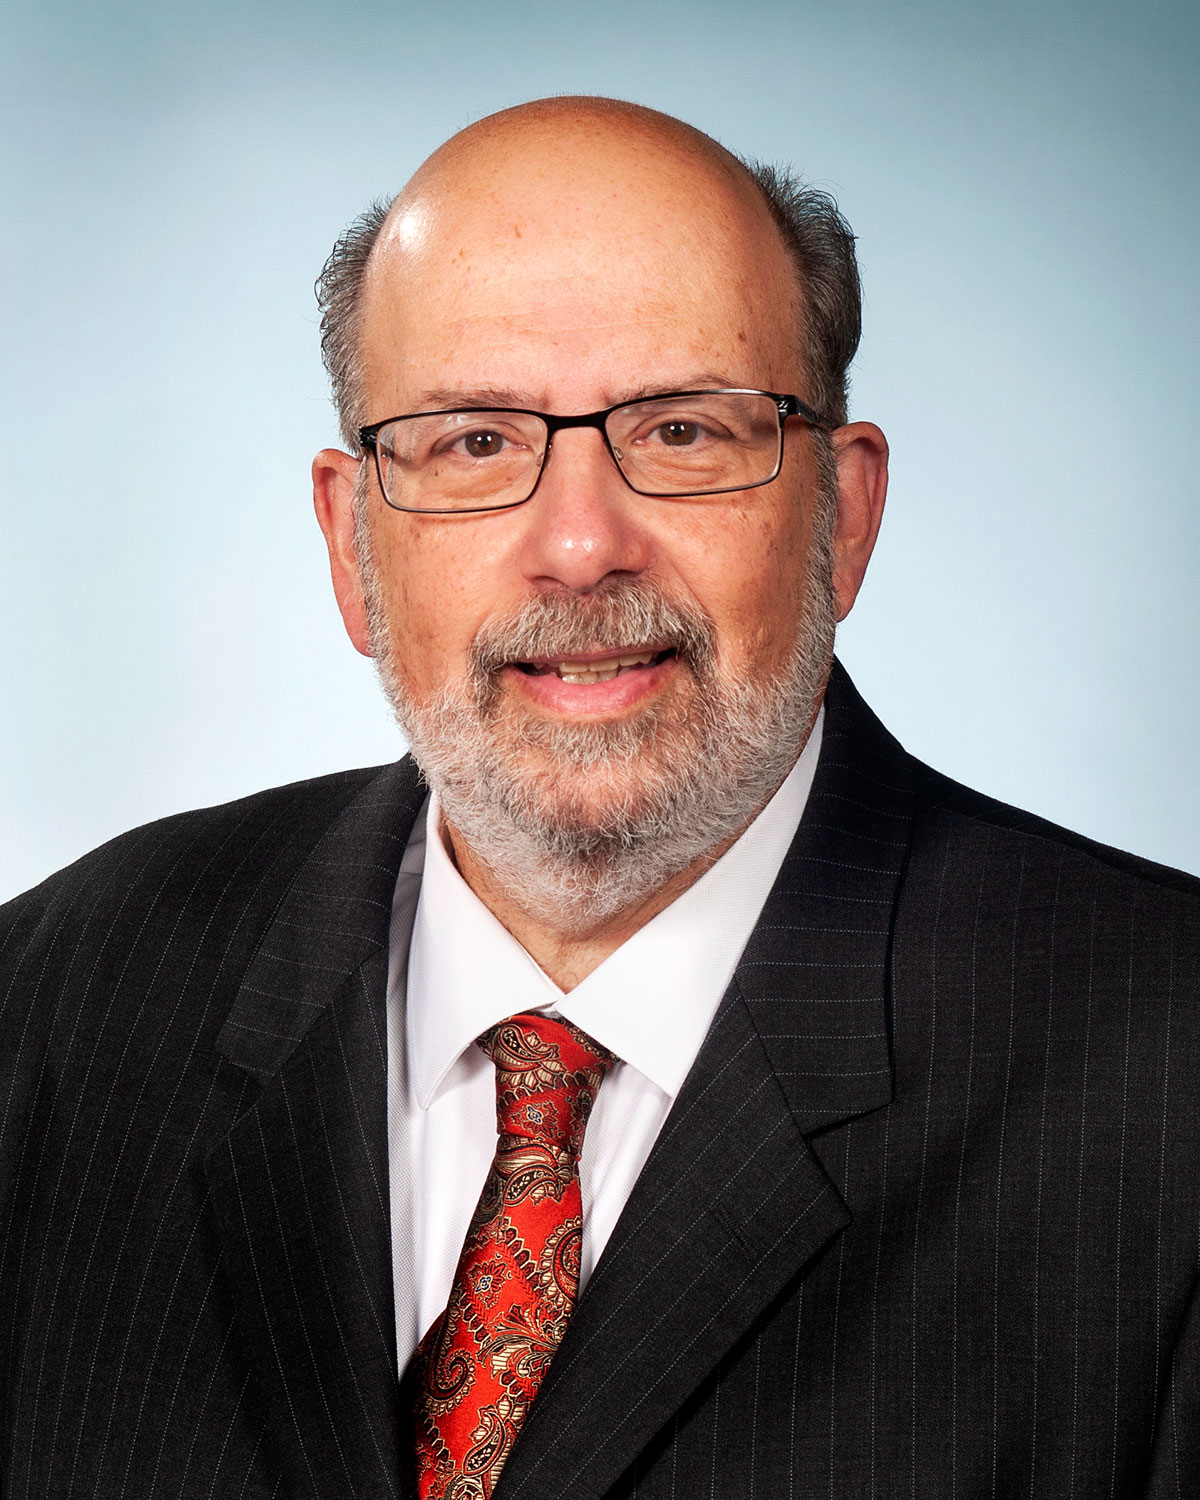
(579, 822)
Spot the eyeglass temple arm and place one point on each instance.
(792, 406)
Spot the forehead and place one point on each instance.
(576, 261)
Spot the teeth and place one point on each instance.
(601, 671)
(605, 674)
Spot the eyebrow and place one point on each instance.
(484, 396)
(504, 398)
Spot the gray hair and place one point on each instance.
(818, 240)
(339, 291)
(821, 245)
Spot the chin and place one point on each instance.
(581, 821)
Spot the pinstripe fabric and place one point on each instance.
(924, 1221)
(193, 1226)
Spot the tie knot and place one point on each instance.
(547, 1076)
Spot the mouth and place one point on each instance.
(584, 670)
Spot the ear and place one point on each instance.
(861, 451)
(334, 475)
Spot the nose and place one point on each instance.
(583, 524)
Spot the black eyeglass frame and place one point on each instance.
(785, 406)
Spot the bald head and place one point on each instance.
(543, 132)
(565, 194)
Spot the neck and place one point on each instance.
(564, 921)
(566, 955)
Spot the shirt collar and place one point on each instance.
(650, 1002)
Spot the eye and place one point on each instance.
(679, 434)
(483, 444)
(679, 426)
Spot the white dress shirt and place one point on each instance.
(454, 970)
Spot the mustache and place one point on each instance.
(617, 614)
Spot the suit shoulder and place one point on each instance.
(1040, 838)
(858, 746)
(233, 856)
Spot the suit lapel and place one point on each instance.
(733, 1202)
(815, 971)
(300, 1185)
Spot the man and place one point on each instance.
(889, 1182)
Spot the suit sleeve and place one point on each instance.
(1175, 1461)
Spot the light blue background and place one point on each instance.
(1024, 182)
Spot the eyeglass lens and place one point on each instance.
(671, 445)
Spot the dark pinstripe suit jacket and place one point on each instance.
(924, 1222)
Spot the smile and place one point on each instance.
(599, 669)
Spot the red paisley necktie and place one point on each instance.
(480, 1365)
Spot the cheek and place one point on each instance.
(438, 581)
(746, 569)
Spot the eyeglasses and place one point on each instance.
(678, 445)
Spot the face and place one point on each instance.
(598, 644)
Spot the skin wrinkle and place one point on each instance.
(446, 397)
